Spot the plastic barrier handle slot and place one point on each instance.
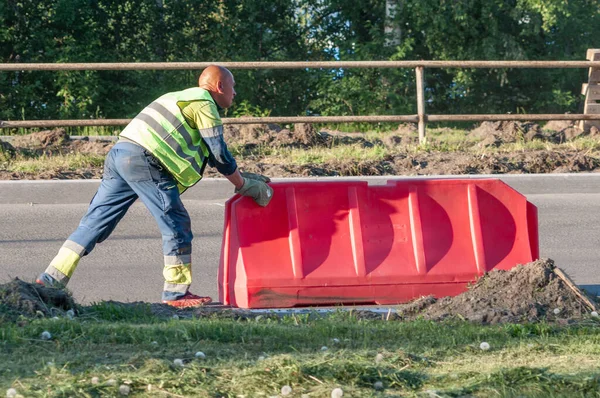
(476, 233)
(356, 237)
(294, 236)
(416, 230)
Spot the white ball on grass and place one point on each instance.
(378, 385)
(178, 362)
(594, 314)
(378, 358)
(70, 314)
(11, 393)
(337, 393)
(335, 340)
(286, 390)
(111, 382)
(200, 355)
(124, 389)
(484, 346)
(95, 380)
(556, 311)
(324, 348)
(46, 335)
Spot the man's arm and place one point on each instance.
(236, 179)
(204, 115)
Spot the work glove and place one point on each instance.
(256, 177)
(257, 190)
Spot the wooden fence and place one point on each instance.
(591, 115)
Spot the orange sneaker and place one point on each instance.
(189, 300)
(47, 281)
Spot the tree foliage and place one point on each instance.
(296, 30)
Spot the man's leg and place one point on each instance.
(161, 196)
(107, 208)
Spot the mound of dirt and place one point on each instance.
(564, 130)
(530, 293)
(251, 135)
(558, 125)
(7, 151)
(57, 141)
(19, 298)
(496, 133)
(41, 139)
(90, 147)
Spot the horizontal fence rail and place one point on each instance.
(310, 119)
(421, 118)
(298, 65)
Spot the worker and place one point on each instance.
(162, 152)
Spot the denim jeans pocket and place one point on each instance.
(134, 167)
(159, 173)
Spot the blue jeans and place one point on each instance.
(130, 171)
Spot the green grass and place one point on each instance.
(301, 156)
(83, 131)
(352, 153)
(24, 163)
(257, 357)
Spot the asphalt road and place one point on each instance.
(37, 216)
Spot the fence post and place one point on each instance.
(591, 90)
(420, 104)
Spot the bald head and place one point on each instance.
(219, 82)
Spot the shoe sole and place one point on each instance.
(189, 304)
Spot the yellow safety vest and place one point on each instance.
(162, 129)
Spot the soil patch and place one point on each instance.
(22, 299)
(57, 141)
(252, 135)
(506, 131)
(498, 133)
(530, 292)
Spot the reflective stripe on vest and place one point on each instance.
(162, 129)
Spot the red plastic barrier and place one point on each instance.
(326, 243)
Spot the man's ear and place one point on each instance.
(219, 87)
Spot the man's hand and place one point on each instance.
(257, 190)
(256, 177)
